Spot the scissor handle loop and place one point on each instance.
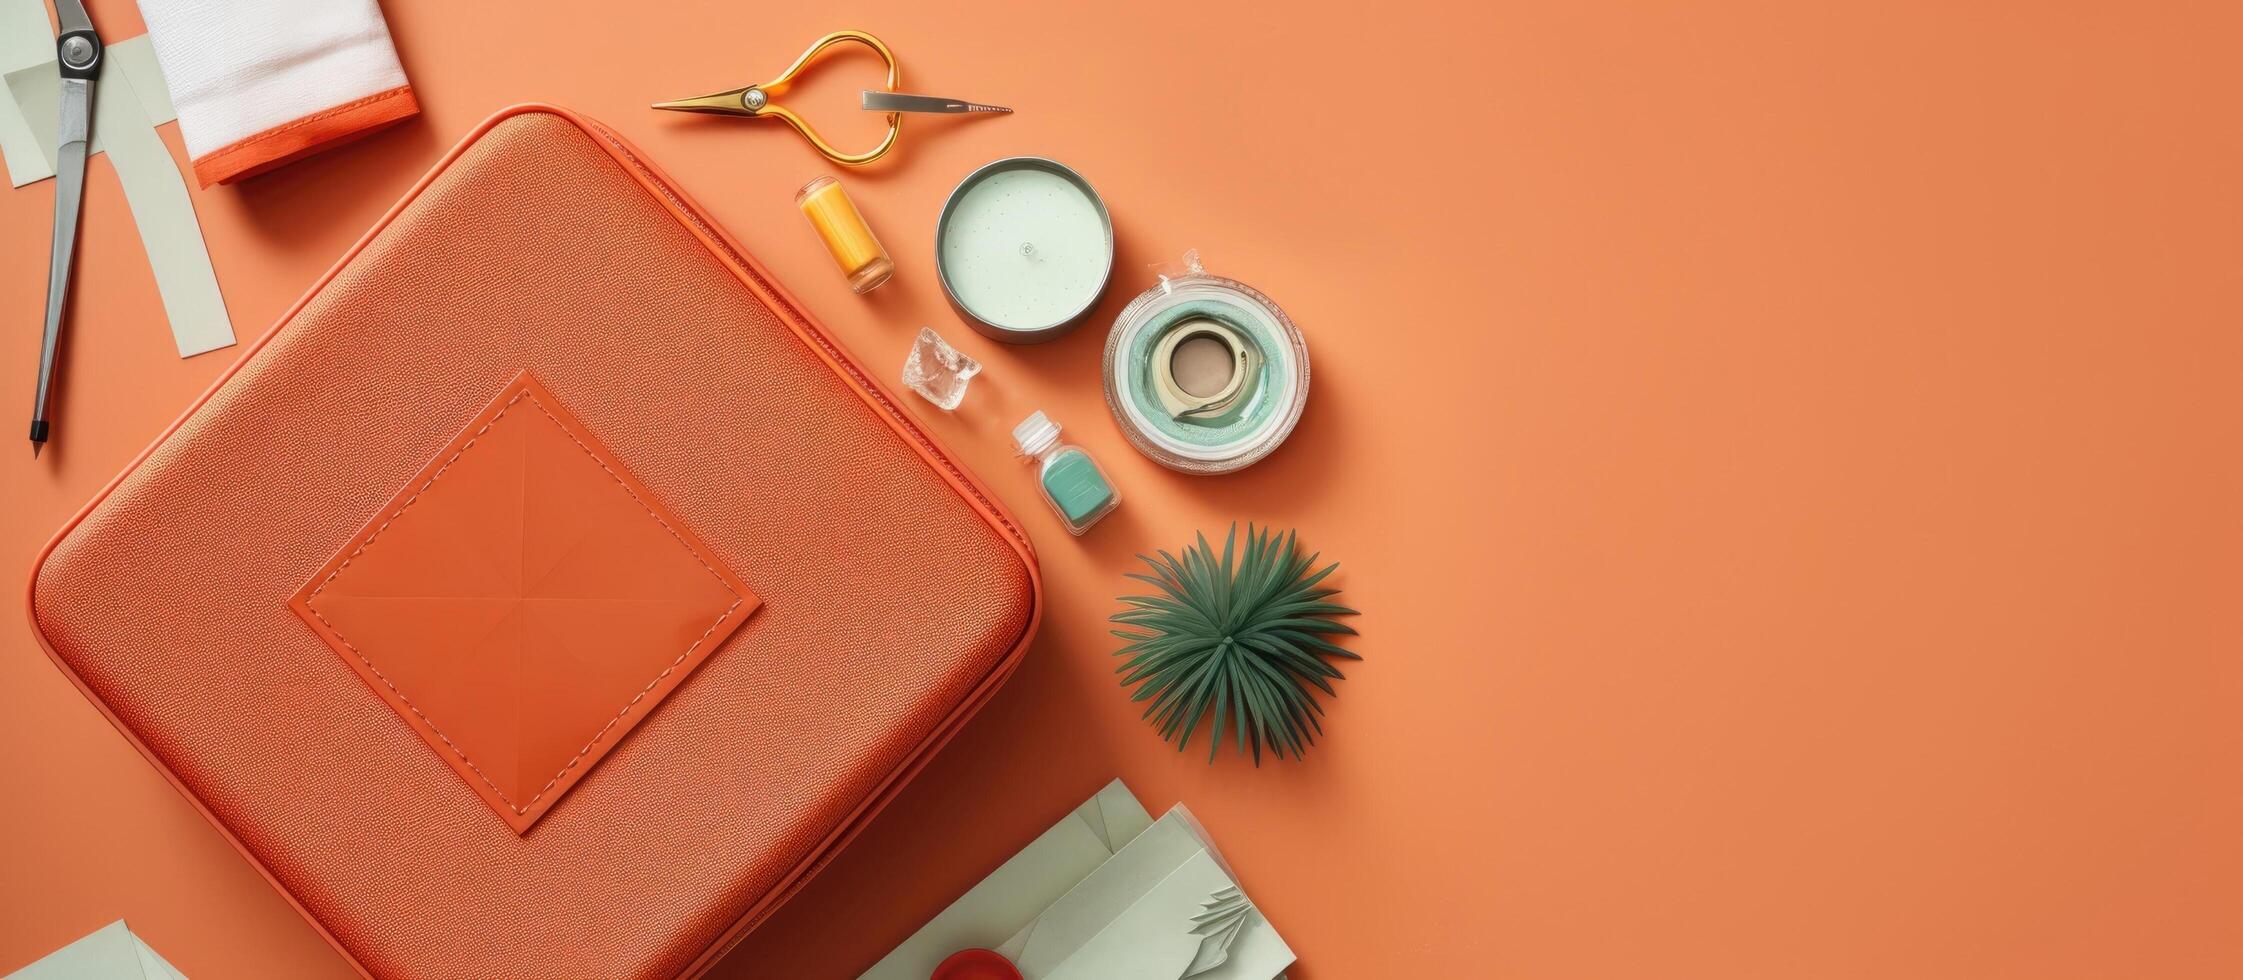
(779, 84)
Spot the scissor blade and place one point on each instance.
(900, 102)
(70, 186)
(70, 15)
(722, 103)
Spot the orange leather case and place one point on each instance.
(546, 594)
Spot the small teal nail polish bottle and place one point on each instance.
(1072, 482)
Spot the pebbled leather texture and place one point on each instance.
(896, 594)
(523, 602)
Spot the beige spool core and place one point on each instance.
(1202, 364)
(1201, 367)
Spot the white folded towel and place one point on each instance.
(261, 82)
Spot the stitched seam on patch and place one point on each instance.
(520, 808)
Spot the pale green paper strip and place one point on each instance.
(156, 193)
(27, 38)
(29, 160)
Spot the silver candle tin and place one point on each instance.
(999, 332)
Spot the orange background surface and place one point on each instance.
(1788, 460)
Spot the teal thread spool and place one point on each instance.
(1072, 483)
(1229, 423)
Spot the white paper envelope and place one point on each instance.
(111, 952)
(1013, 894)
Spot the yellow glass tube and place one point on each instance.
(846, 235)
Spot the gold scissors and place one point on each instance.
(754, 101)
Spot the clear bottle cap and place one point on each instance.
(1035, 434)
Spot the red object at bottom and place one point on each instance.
(975, 964)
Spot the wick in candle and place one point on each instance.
(1029, 249)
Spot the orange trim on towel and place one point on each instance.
(253, 155)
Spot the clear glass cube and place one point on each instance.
(938, 371)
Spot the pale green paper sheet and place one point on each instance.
(1020, 888)
(1105, 894)
(26, 39)
(1151, 937)
(111, 952)
(1132, 918)
(124, 127)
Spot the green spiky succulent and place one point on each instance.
(1237, 638)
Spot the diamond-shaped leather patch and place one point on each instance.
(523, 602)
